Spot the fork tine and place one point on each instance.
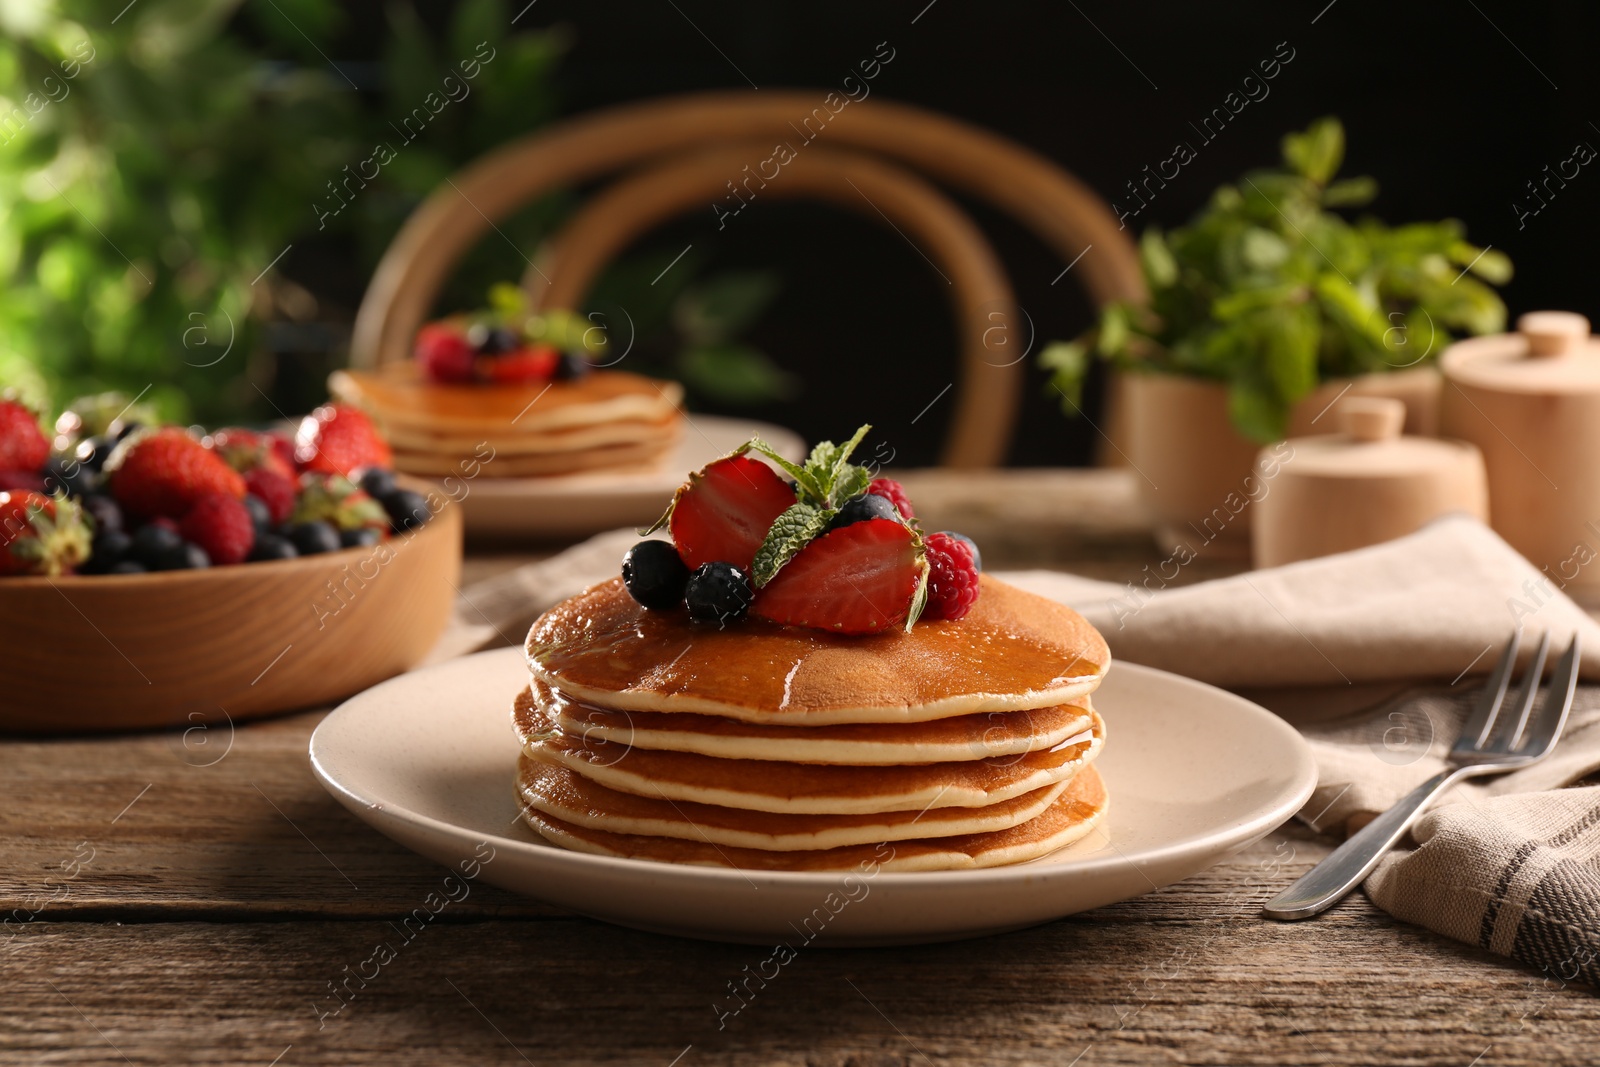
(1557, 704)
(1507, 733)
(1483, 716)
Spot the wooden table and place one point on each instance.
(191, 899)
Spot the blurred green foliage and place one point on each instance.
(1271, 292)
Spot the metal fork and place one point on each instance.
(1491, 742)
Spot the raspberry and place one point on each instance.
(219, 524)
(895, 492)
(952, 577)
(443, 353)
(276, 490)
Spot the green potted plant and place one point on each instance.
(1263, 310)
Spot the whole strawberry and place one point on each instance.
(23, 445)
(219, 524)
(245, 450)
(334, 499)
(275, 489)
(340, 439)
(41, 534)
(952, 576)
(164, 472)
(443, 353)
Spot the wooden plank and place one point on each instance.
(1110, 987)
(208, 822)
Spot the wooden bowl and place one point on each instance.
(119, 652)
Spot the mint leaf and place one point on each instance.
(788, 534)
(852, 482)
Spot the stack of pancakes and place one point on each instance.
(607, 420)
(957, 745)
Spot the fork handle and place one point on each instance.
(1343, 869)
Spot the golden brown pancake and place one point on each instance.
(562, 794)
(556, 442)
(1074, 814)
(1014, 651)
(609, 458)
(963, 737)
(818, 788)
(398, 394)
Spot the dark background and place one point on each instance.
(1453, 105)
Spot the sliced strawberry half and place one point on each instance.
(724, 512)
(859, 579)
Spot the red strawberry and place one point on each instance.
(895, 493)
(858, 579)
(952, 577)
(23, 445)
(41, 534)
(245, 450)
(275, 489)
(443, 353)
(220, 524)
(537, 363)
(163, 472)
(723, 512)
(340, 439)
(29, 481)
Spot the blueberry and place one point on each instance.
(92, 452)
(127, 566)
(718, 592)
(191, 558)
(655, 575)
(377, 482)
(105, 513)
(572, 366)
(66, 474)
(361, 537)
(977, 557)
(270, 546)
(864, 507)
(407, 510)
(153, 543)
(260, 514)
(310, 538)
(110, 546)
(489, 340)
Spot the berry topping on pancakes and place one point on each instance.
(837, 549)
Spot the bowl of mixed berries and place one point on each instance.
(158, 575)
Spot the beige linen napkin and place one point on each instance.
(1405, 630)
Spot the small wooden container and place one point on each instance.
(89, 653)
(1367, 484)
(1531, 401)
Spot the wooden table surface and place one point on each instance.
(192, 898)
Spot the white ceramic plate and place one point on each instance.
(580, 504)
(1194, 773)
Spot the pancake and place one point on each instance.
(562, 794)
(964, 737)
(1073, 814)
(554, 442)
(1015, 651)
(397, 394)
(610, 457)
(818, 788)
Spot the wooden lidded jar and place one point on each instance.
(1364, 485)
(1531, 401)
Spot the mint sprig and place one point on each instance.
(828, 478)
(789, 533)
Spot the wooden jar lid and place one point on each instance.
(1364, 485)
(1551, 353)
